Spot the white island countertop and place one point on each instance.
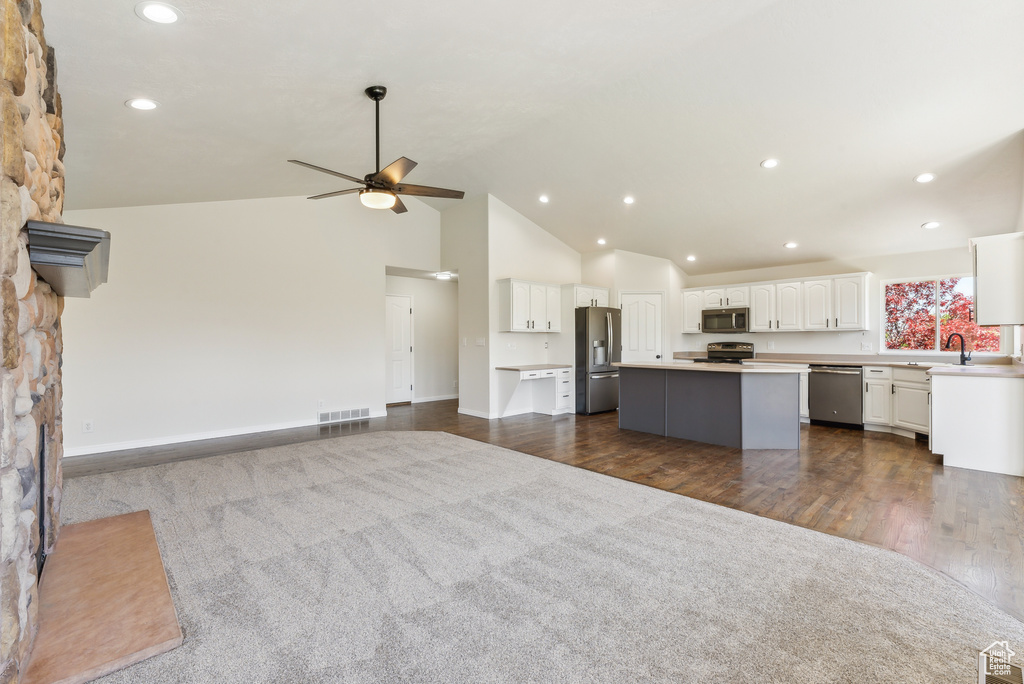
(711, 367)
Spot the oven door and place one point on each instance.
(725, 320)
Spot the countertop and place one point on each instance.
(866, 360)
(683, 365)
(536, 366)
(1003, 371)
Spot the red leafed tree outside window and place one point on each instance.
(911, 322)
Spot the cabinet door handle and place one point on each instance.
(769, 324)
(893, 389)
(837, 321)
(865, 388)
(827, 322)
(549, 325)
(727, 301)
(698, 327)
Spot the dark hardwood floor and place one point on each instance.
(876, 488)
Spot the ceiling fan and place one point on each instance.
(381, 189)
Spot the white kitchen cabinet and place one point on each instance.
(524, 306)
(817, 304)
(849, 302)
(877, 395)
(911, 397)
(737, 296)
(565, 393)
(999, 279)
(553, 310)
(762, 307)
(805, 404)
(788, 302)
(714, 299)
(586, 295)
(693, 304)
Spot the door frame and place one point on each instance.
(412, 343)
(664, 299)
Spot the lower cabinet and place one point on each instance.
(565, 398)
(897, 397)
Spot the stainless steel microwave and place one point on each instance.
(725, 320)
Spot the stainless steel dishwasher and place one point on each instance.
(834, 395)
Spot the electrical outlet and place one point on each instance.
(87, 425)
(455, 384)
(321, 404)
(865, 346)
(481, 341)
(545, 344)
(771, 345)
(511, 345)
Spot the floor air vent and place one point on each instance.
(324, 417)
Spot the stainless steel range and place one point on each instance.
(728, 352)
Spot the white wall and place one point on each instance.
(435, 335)
(231, 317)
(623, 271)
(519, 248)
(890, 267)
(464, 249)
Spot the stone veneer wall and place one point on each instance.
(31, 187)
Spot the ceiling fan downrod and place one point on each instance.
(377, 93)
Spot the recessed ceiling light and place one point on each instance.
(770, 163)
(158, 12)
(790, 245)
(931, 225)
(142, 103)
(691, 258)
(601, 241)
(544, 199)
(628, 199)
(924, 177)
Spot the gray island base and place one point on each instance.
(751, 407)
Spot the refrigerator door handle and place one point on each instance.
(602, 376)
(611, 336)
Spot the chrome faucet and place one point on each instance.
(963, 356)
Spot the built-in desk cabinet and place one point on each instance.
(536, 390)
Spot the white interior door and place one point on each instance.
(641, 326)
(399, 349)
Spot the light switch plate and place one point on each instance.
(865, 346)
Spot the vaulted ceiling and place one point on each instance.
(674, 102)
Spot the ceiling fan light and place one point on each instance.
(377, 199)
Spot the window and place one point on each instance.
(911, 322)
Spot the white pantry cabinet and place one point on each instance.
(524, 306)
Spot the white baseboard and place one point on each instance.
(475, 414)
(196, 436)
(441, 397)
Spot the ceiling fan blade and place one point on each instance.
(395, 171)
(427, 191)
(336, 193)
(399, 208)
(323, 170)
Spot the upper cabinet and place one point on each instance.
(762, 307)
(999, 279)
(826, 304)
(817, 304)
(528, 307)
(587, 295)
(693, 304)
(850, 302)
(728, 297)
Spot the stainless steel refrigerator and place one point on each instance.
(598, 346)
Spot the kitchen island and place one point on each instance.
(748, 407)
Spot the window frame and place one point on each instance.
(1004, 331)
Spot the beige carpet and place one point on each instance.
(405, 556)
